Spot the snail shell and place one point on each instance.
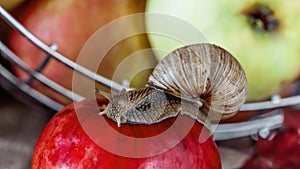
(205, 73)
(201, 80)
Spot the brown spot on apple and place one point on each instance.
(261, 18)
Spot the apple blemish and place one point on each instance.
(262, 18)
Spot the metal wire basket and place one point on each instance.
(259, 124)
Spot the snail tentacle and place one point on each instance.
(105, 94)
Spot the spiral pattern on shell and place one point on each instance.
(203, 73)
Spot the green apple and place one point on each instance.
(262, 34)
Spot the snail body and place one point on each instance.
(147, 106)
(203, 81)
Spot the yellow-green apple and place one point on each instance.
(69, 24)
(261, 34)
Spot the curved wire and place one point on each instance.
(21, 29)
(222, 131)
(28, 90)
(115, 86)
(8, 54)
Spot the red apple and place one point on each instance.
(69, 24)
(281, 149)
(241, 116)
(64, 143)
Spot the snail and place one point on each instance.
(200, 80)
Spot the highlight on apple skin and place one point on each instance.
(69, 24)
(65, 143)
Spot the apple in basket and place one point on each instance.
(281, 149)
(77, 137)
(69, 24)
(262, 35)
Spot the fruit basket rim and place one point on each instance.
(222, 131)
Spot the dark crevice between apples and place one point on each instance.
(261, 18)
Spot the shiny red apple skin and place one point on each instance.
(281, 149)
(64, 143)
(69, 24)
